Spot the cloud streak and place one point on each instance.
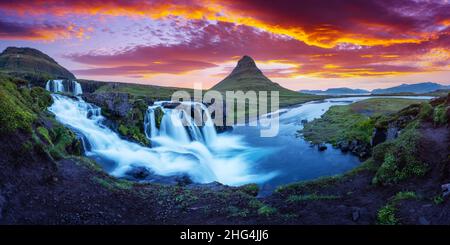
(320, 23)
(221, 42)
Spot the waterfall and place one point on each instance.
(176, 149)
(64, 86)
(178, 123)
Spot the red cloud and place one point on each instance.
(323, 23)
(37, 32)
(222, 42)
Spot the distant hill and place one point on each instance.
(336, 91)
(418, 88)
(246, 76)
(31, 64)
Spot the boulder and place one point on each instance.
(379, 136)
(138, 173)
(321, 147)
(423, 221)
(183, 180)
(445, 189)
(171, 105)
(117, 104)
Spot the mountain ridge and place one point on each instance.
(417, 88)
(336, 91)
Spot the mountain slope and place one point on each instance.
(31, 64)
(412, 88)
(247, 77)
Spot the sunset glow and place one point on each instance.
(299, 44)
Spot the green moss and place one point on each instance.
(43, 132)
(134, 133)
(267, 211)
(386, 215)
(185, 198)
(404, 195)
(41, 98)
(355, 121)
(88, 163)
(159, 113)
(400, 159)
(255, 203)
(114, 184)
(15, 113)
(380, 150)
(438, 199)
(440, 116)
(310, 197)
(237, 212)
(123, 130)
(64, 141)
(426, 110)
(251, 189)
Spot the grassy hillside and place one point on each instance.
(149, 91)
(32, 65)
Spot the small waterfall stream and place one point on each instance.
(179, 146)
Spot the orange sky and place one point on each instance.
(299, 44)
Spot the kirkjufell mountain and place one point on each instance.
(247, 76)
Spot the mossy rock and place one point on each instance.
(440, 114)
(400, 160)
(426, 111)
(250, 189)
(159, 113)
(14, 109)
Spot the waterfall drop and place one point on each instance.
(64, 86)
(179, 146)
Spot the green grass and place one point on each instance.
(386, 214)
(310, 197)
(144, 91)
(400, 160)
(113, 184)
(440, 116)
(381, 106)
(267, 211)
(15, 109)
(286, 97)
(337, 124)
(43, 132)
(352, 122)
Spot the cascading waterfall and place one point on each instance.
(201, 154)
(179, 124)
(64, 86)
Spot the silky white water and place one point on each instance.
(203, 155)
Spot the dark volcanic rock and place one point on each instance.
(171, 105)
(321, 147)
(116, 103)
(139, 173)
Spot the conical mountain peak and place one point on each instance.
(246, 64)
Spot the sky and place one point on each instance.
(308, 44)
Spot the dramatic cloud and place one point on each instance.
(323, 23)
(289, 39)
(222, 42)
(38, 32)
